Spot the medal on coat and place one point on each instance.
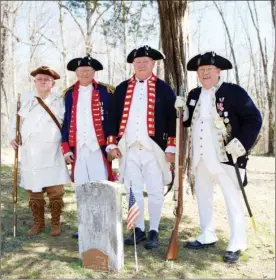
(226, 120)
(102, 111)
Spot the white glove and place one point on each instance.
(235, 148)
(179, 103)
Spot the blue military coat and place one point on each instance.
(164, 112)
(243, 121)
(100, 112)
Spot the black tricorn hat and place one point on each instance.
(209, 58)
(145, 51)
(84, 61)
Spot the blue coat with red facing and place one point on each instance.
(100, 105)
(161, 113)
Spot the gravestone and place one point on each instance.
(100, 225)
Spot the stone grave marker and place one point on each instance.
(100, 225)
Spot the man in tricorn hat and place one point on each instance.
(85, 123)
(143, 121)
(224, 126)
(43, 168)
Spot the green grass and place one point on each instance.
(47, 257)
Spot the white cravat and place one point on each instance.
(85, 128)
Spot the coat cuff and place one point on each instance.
(171, 141)
(65, 148)
(111, 140)
(239, 148)
(186, 114)
(170, 149)
(110, 147)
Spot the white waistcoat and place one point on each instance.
(136, 129)
(207, 139)
(85, 128)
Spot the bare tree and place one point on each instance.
(92, 9)
(273, 12)
(270, 94)
(230, 42)
(63, 46)
(260, 96)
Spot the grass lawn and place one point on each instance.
(47, 257)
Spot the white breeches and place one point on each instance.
(142, 168)
(204, 183)
(89, 166)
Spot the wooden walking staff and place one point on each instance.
(15, 171)
(172, 252)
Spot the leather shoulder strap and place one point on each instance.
(47, 109)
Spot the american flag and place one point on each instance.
(133, 211)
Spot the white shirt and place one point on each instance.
(136, 129)
(41, 161)
(203, 140)
(85, 128)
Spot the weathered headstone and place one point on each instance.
(100, 225)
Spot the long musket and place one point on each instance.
(172, 252)
(15, 171)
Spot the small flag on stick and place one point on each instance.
(133, 211)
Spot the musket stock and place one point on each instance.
(172, 252)
(15, 171)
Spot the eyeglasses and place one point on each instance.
(208, 70)
(43, 80)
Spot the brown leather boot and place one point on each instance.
(56, 205)
(37, 206)
(55, 195)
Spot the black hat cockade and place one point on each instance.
(209, 58)
(145, 51)
(84, 61)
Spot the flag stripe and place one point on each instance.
(133, 211)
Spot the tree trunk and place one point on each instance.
(272, 88)
(63, 47)
(4, 72)
(171, 17)
(175, 45)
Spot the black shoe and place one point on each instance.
(232, 257)
(152, 240)
(139, 235)
(197, 245)
(75, 235)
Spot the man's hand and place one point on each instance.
(69, 157)
(179, 103)
(170, 157)
(14, 144)
(115, 153)
(109, 157)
